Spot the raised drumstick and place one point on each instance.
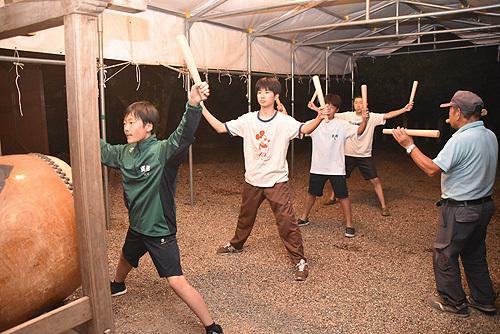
(319, 94)
(314, 97)
(413, 91)
(364, 96)
(416, 133)
(188, 58)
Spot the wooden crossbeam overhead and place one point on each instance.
(24, 16)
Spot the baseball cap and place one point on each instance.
(468, 102)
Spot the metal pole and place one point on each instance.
(249, 71)
(292, 69)
(397, 15)
(419, 27)
(437, 50)
(379, 20)
(362, 50)
(33, 60)
(102, 115)
(367, 10)
(412, 34)
(326, 69)
(188, 87)
(352, 83)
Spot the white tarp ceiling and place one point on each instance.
(219, 32)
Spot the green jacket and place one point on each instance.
(149, 172)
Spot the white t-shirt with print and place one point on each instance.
(361, 146)
(328, 142)
(265, 144)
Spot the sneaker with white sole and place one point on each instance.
(228, 249)
(301, 222)
(117, 288)
(488, 308)
(301, 270)
(439, 304)
(350, 232)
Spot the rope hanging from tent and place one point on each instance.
(124, 64)
(137, 76)
(18, 66)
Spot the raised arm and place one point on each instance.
(364, 120)
(421, 160)
(395, 113)
(218, 126)
(311, 126)
(183, 136)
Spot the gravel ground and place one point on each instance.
(376, 282)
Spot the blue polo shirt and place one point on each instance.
(469, 162)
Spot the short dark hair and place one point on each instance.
(357, 97)
(270, 83)
(146, 111)
(333, 99)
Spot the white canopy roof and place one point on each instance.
(316, 30)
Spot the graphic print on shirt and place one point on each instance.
(262, 150)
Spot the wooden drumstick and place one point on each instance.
(364, 96)
(413, 91)
(319, 94)
(314, 97)
(188, 58)
(416, 133)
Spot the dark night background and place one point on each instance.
(389, 81)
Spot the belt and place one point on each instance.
(452, 202)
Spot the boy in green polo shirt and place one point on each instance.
(149, 171)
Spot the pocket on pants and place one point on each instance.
(467, 214)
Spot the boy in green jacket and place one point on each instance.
(149, 171)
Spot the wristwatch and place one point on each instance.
(410, 148)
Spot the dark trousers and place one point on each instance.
(461, 234)
(281, 204)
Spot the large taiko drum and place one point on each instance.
(39, 264)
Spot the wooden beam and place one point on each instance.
(83, 126)
(23, 17)
(56, 321)
(129, 6)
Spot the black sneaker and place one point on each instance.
(214, 329)
(481, 307)
(439, 304)
(118, 289)
(350, 232)
(301, 222)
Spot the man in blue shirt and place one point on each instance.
(467, 164)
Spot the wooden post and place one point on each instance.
(83, 126)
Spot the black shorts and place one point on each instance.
(365, 165)
(164, 252)
(317, 183)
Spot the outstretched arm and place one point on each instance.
(395, 113)
(421, 160)
(213, 121)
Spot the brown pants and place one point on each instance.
(281, 204)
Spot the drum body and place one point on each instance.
(39, 264)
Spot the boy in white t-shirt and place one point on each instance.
(358, 149)
(327, 160)
(266, 135)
